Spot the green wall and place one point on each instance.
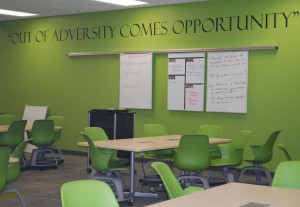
(35, 70)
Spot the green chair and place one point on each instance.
(287, 175)
(106, 169)
(6, 119)
(262, 155)
(171, 184)
(89, 193)
(212, 131)
(232, 155)
(42, 135)
(98, 134)
(151, 130)
(4, 158)
(286, 152)
(13, 172)
(193, 156)
(14, 134)
(58, 122)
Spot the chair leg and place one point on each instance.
(257, 171)
(11, 190)
(192, 177)
(117, 181)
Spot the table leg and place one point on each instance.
(132, 191)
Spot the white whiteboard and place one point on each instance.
(227, 82)
(32, 113)
(186, 81)
(136, 81)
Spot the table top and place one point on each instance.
(13, 159)
(143, 144)
(237, 195)
(4, 128)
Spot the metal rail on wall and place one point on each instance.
(272, 47)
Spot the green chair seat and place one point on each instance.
(262, 154)
(170, 182)
(106, 169)
(232, 155)
(4, 158)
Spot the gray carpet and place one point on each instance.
(42, 188)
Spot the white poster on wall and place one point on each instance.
(186, 81)
(227, 82)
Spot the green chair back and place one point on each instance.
(264, 153)
(6, 119)
(58, 121)
(42, 133)
(13, 171)
(154, 130)
(157, 130)
(90, 193)
(212, 131)
(286, 152)
(99, 157)
(287, 175)
(171, 183)
(96, 133)
(193, 153)
(4, 157)
(239, 143)
(14, 134)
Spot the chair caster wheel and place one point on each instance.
(129, 203)
(55, 167)
(88, 170)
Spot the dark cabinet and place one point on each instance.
(118, 124)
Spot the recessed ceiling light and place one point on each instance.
(123, 2)
(15, 13)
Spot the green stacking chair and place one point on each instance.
(42, 135)
(7, 119)
(98, 134)
(151, 130)
(14, 169)
(106, 169)
(58, 122)
(89, 193)
(212, 131)
(286, 152)
(171, 184)
(193, 156)
(4, 158)
(262, 154)
(287, 175)
(14, 134)
(232, 155)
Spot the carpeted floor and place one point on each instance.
(42, 188)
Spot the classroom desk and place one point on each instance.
(4, 128)
(237, 195)
(144, 144)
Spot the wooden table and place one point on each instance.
(144, 144)
(4, 128)
(237, 195)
